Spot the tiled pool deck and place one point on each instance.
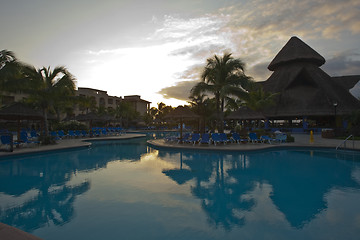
(301, 140)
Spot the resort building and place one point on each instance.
(306, 94)
(102, 99)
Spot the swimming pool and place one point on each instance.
(128, 190)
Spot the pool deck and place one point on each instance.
(301, 140)
(66, 144)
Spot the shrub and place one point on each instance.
(47, 140)
(70, 125)
(290, 138)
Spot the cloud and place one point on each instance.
(181, 90)
(255, 31)
(260, 72)
(344, 63)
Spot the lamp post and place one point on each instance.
(335, 105)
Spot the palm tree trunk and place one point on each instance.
(221, 116)
(46, 123)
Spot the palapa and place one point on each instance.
(305, 89)
(181, 113)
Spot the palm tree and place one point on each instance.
(10, 71)
(224, 77)
(202, 106)
(47, 88)
(259, 100)
(86, 103)
(127, 113)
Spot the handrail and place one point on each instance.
(344, 142)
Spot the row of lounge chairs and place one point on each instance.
(29, 138)
(94, 132)
(222, 138)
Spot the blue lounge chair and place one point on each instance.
(7, 141)
(266, 138)
(184, 138)
(61, 134)
(84, 133)
(104, 132)
(281, 138)
(253, 138)
(55, 135)
(25, 139)
(205, 139)
(78, 133)
(71, 134)
(236, 138)
(223, 138)
(33, 134)
(216, 138)
(195, 137)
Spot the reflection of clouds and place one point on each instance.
(356, 175)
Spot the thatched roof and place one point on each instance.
(18, 110)
(296, 50)
(245, 113)
(306, 90)
(181, 112)
(347, 82)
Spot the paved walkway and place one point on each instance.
(301, 140)
(65, 144)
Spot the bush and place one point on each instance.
(47, 140)
(290, 138)
(70, 125)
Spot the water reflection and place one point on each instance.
(230, 187)
(50, 176)
(299, 182)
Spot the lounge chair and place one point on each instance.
(25, 139)
(266, 138)
(217, 138)
(54, 135)
(253, 138)
(223, 138)
(8, 142)
(61, 134)
(84, 133)
(205, 138)
(33, 134)
(71, 134)
(235, 137)
(281, 138)
(195, 137)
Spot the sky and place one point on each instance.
(157, 49)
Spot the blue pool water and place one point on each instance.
(128, 190)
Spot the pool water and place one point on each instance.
(128, 190)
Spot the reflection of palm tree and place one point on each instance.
(221, 197)
(49, 206)
(221, 200)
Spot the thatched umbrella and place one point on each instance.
(181, 113)
(179, 175)
(19, 111)
(93, 117)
